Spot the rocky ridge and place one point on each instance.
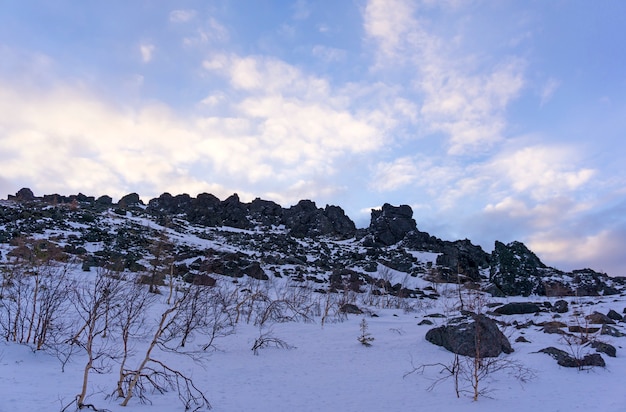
(262, 239)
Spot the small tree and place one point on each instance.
(365, 338)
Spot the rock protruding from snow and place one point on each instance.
(481, 337)
(515, 270)
(391, 224)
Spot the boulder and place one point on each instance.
(614, 315)
(598, 318)
(565, 359)
(602, 347)
(481, 337)
(518, 308)
(350, 308)
(560, 306)
(611, 331)
(131, 199)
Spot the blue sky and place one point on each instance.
(495, 120)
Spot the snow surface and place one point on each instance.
(329, 370)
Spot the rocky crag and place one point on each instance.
(205, 237)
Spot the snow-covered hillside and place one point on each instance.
(288, 310)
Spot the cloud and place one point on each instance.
(541, 171)
(301, 10)
(389, 176)
(328, 54)
(147, 52)
(182, 16)
(210, 32)
(548, 90)
(278, 128)
(461, 99)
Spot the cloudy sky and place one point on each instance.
(495, 120)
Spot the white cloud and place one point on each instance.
(541, 171)
(147, 52)
(328, 54)
(462, 100)
(210, 32)
(182, 16)
(301, 10)
(548, 90)
(393, 175)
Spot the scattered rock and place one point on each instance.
(560, 306)
(598, 318)
(602, 347)
(582, 329)
(351, 309)
(614, 315)
(611, 331)
(554, 327)
(568, 361)
(517, 308)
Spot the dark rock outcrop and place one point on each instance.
(515, 270)
(130, 200)
(391, 224)
(23, 195)
(306, 220)
(481, 337)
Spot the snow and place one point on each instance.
(329, 370)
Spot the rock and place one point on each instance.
(465, 258)
(602, 347)
(518, 308)
(266, 212)
(131, 199)
(23, 195)
(350, 308)
(583, 330)
(461, 338)
(234, 213)
(554, 327)
(306, 220)
(614, 315)
(560, 306)
(515, 270)
(425, 322)
(598, 318)
(611, 331)
(522, 339)
(568, 361)
(391, 224)
(205, 210)
(104, 200)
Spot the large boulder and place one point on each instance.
(480, 336)
(391, 224)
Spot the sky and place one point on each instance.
(494, 120)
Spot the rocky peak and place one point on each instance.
(391, 224)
